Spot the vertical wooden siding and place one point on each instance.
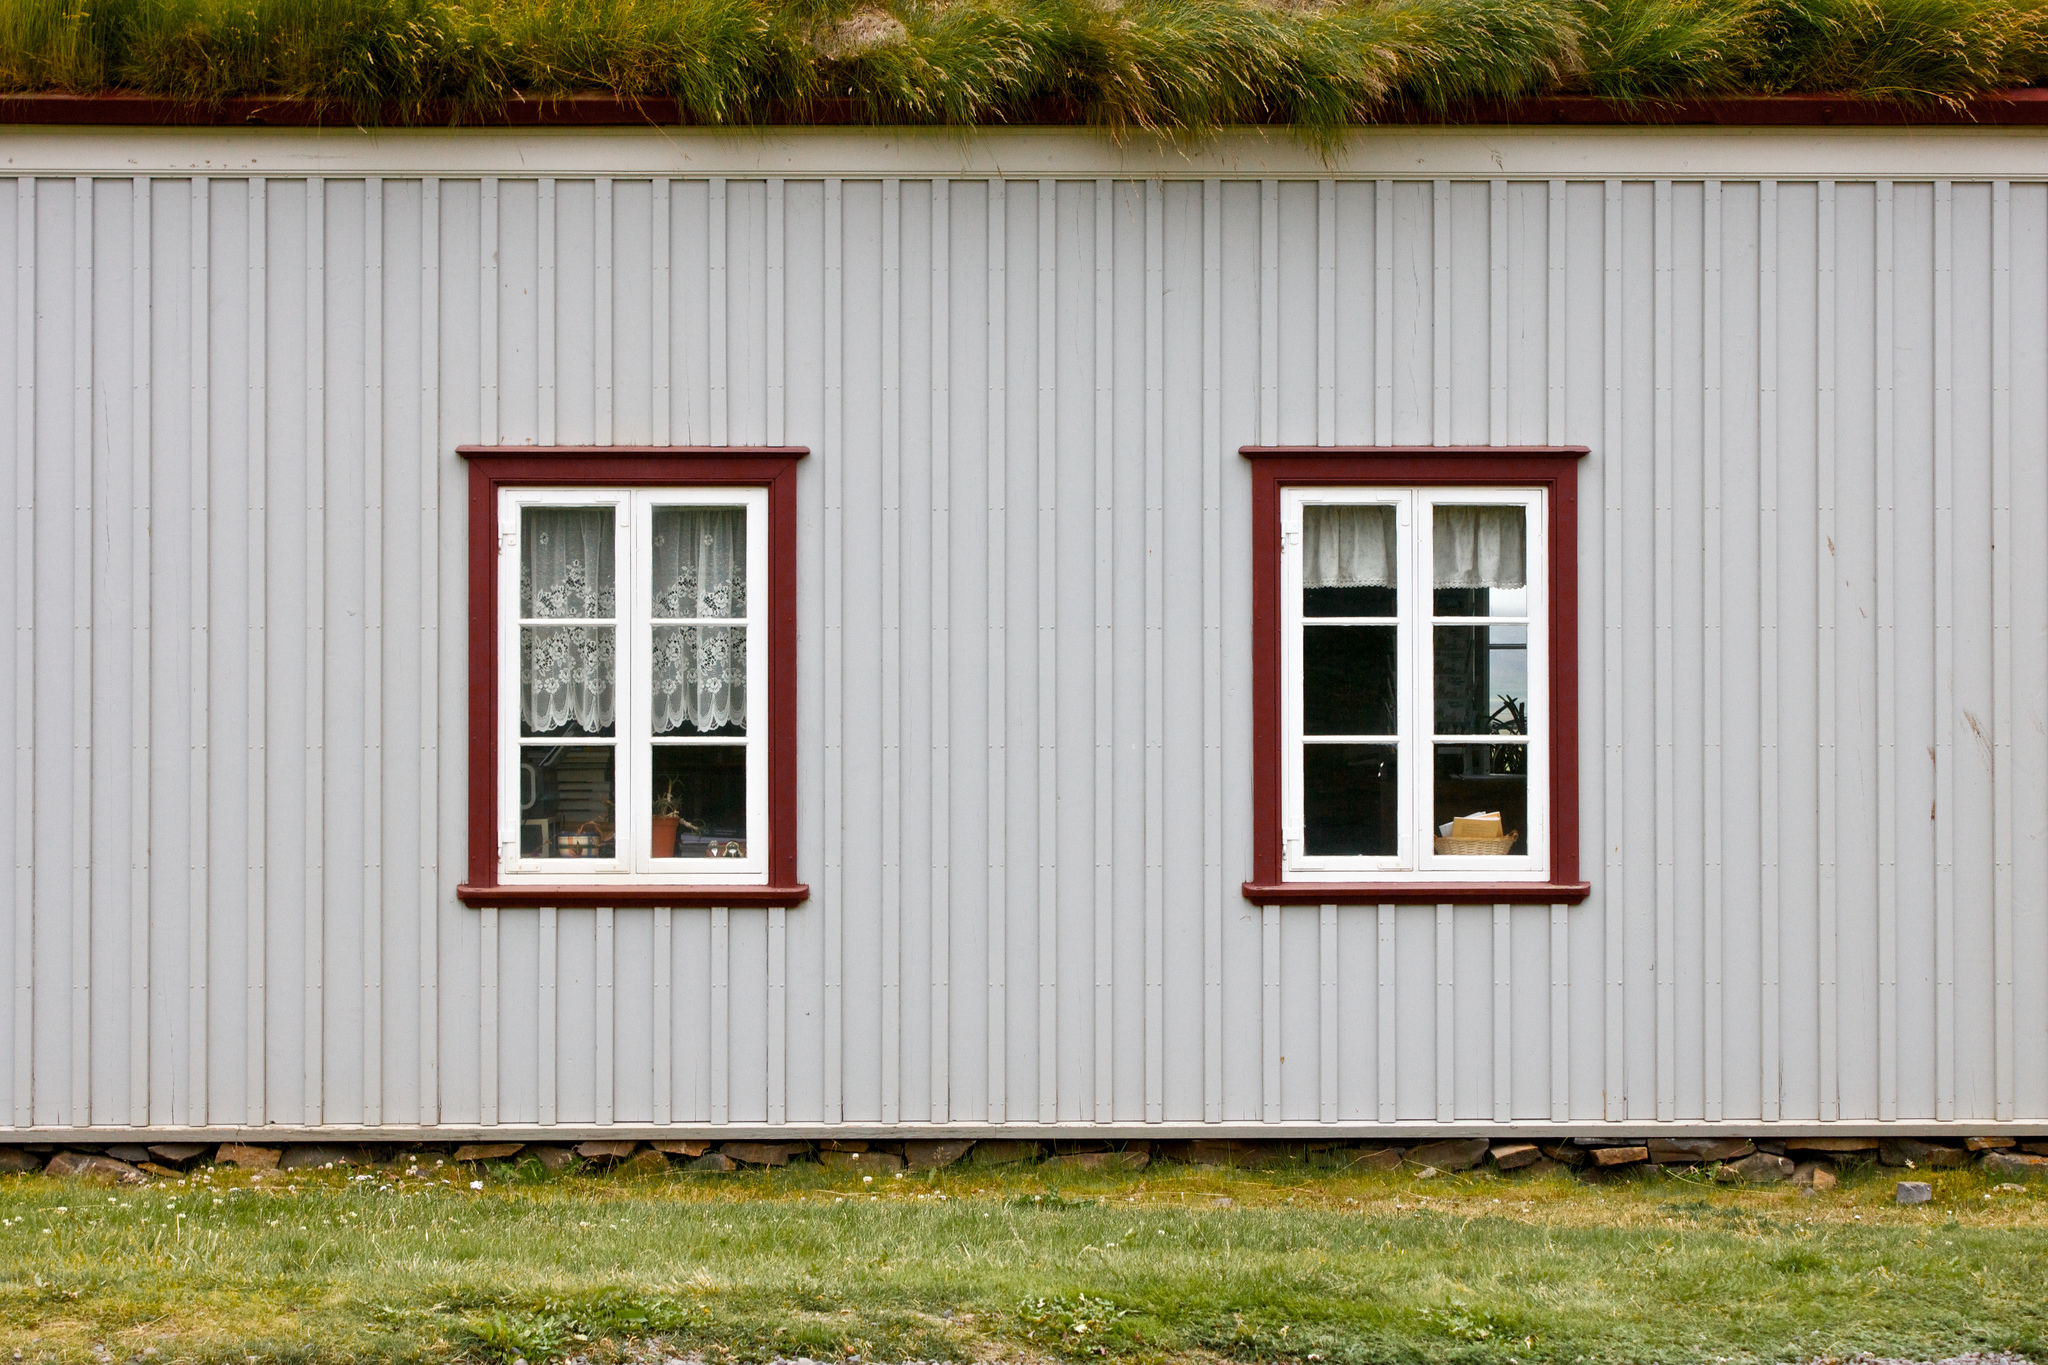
(1816, 800)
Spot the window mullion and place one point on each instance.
(1417, 751)
(637, 791)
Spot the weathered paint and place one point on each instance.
(1815, 629)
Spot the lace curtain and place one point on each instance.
(567, 674)
(700, 572)
(1347, 547)
(1481, 547)
(567, 677)
(565, 562)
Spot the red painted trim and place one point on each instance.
(492, 468)
(598, 897)
(1417, 893)
(117, 109)
(1553, 468)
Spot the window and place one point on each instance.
(1412, 739)
(1412, 683)
(639, 624)
(625, 652)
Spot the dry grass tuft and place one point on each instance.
(1915, 51)
(1650, 49)
(1172, 66)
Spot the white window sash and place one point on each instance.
(633, 742)
(1416, 858)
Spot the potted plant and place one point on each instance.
(668, 818)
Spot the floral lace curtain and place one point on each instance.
(1348, 547)
(567, 674)
(568, 678)
(700, 678)
(700, 562)
(700, 572)
(1481, 547)
(565, 563)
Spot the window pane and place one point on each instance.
(1482, 680)
(700, 562)
(1351, 799)
(1349, 602)
(566, 806)
(1482, 602)
(1347, 680)
(568, 682)
(700, 801)
(1484, 779)
(565, 563)
(700, 680)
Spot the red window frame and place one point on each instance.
(493, 468)
(1552, 468)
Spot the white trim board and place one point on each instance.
(1591, 153)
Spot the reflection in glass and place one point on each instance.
(1482, 680)
(566, 801)
(568, 683)
(1350, 800)
(700, 562)
(700, 801)
(1471, 778)
(700, 680)
(565, 563)
(1482, 602)
(1348, 680)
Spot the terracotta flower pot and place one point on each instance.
(665, 835)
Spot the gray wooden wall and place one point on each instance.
(1814, 644)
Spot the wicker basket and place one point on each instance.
(1465, 848)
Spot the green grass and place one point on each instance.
(1183, 67)
(1014, 1263)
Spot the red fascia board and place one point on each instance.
(2025, 108)
(1554, 468)
(494, 467)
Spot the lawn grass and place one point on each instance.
(978, 1263)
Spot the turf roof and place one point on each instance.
(1176, 66)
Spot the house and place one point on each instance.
(583, 627)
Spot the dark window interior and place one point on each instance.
(1351, 799)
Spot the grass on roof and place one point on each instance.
(411, 1264)
(1173, 66)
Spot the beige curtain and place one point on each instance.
(1348, 547)
(1481, 547)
